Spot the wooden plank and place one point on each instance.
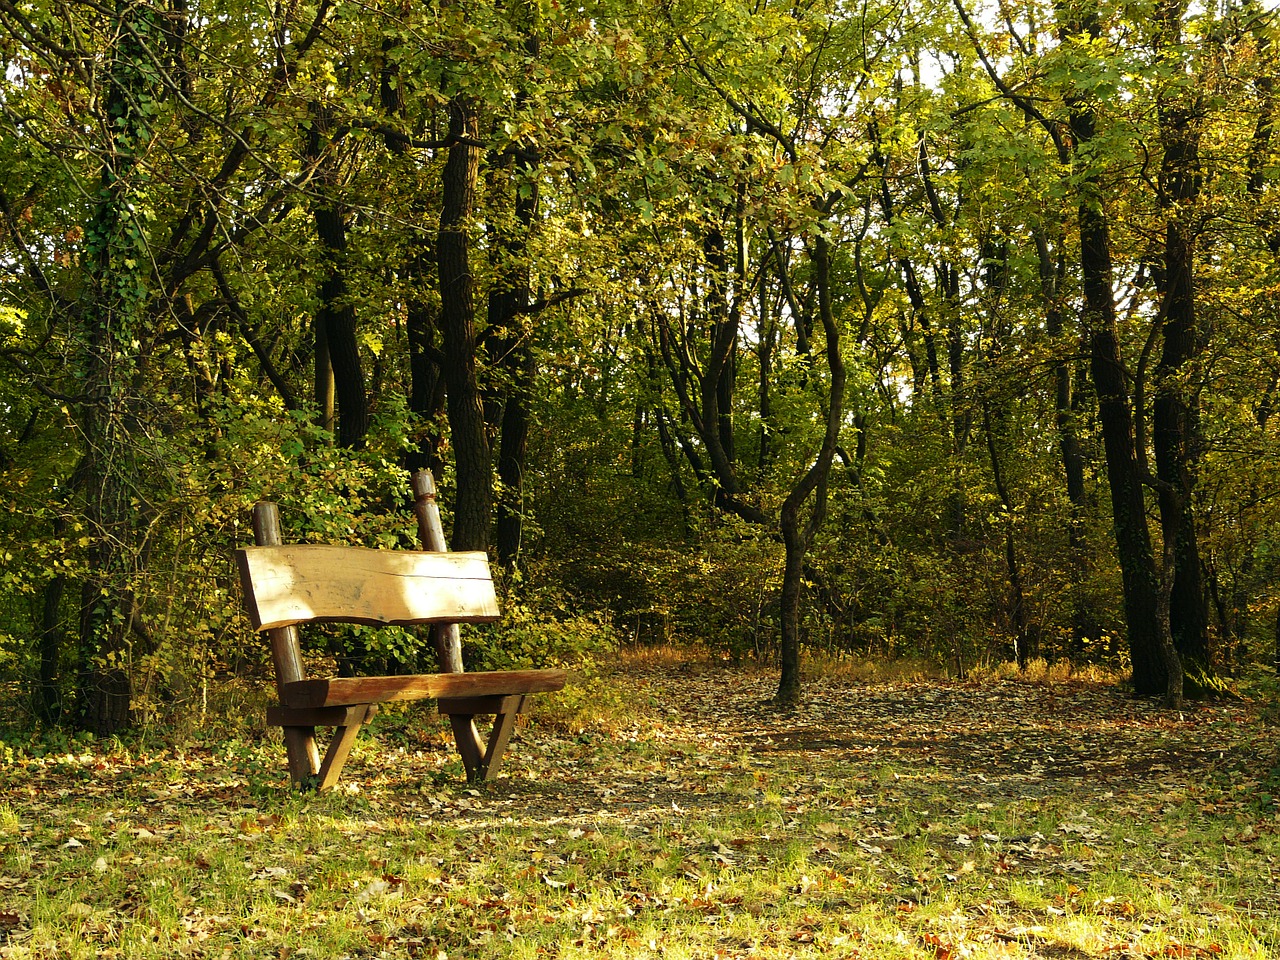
(482, 706)
(317, 717)
(307, 583)
(338, 691)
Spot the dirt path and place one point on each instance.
(967, 744)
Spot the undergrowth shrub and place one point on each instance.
(540, 627)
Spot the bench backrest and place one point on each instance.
(309, 583)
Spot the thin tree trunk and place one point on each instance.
(512, 455)
(426, 382)
(766, 335)
(1083, 622)
(798, 536)
(339, 373)
(509, 305)
(52, 638)
(1174, 673)
(1026, 642)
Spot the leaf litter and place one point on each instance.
(937, 820)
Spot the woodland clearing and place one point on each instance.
(904, 818)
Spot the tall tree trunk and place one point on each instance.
(1175, 419)
(509, 306)
(1106, 365)
(1124, 473)
(114, 314)
(473, 505)
(1052, 269)
(1264, 128)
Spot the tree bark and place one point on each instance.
(766, 336)
(509, 305)
(49, 698)
(426, 380)
(1175, 415)
(719, 380)
(1106, 365)
(114, 314)
(1128, 504)
(1026, 638)
(1083, 622)
(473, 506)
(798, 536)
(339, 372)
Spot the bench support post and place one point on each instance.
(482, 762)
(340, 746)
(346, 722)
(448, 640)
(286, 652)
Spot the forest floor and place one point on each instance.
(880, 819)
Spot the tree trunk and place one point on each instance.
(1176, 420)
(473, 505)
(512, 452)
(338, 325)
(509, 305)
(717, 380)
(1128, 504)
(1026, 638)
(426, 382)
(796, 536)
(766, 335)
(1083, 622)
(722, 309)
(49, 698)
(1174, 674)
(792, 580)
(1124, 470)
(339, 372)
(114, 313)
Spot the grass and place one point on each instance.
(706, 826)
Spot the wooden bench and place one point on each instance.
(286, 586)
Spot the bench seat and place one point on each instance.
(344, 691)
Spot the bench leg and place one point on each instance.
(305, 767)
(467, 737)
(304, 756)
(503, 724)
(482, 761)
(340, 748)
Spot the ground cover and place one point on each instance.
(881, 819)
